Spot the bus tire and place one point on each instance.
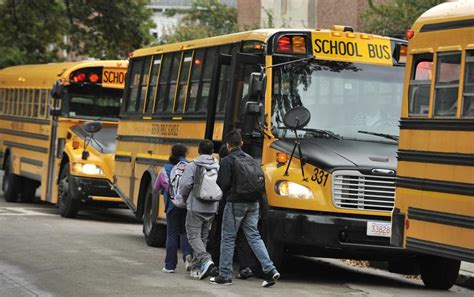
(11, 183)
(68, 206)
(439, 273)
(155, 233)
(28, 190)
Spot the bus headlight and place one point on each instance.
(293, 190)
(89, 169)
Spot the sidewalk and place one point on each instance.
(466, 275)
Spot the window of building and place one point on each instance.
(419, 89)
(447, 84)
(194, 82)
(183, 81)
(468, 91)
(155, 73)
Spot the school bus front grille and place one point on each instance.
(354, 190)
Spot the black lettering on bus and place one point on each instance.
(106, 77)
(386, 52)
(371, 50)
(324, 47)
(333, 47)
(357, 51)
(350, 49)
(342, 49)
(317, 44)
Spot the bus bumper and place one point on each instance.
(325, 235)
(82, 188)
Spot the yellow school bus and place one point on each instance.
(42, 140)
(434, 207)
(330, 183)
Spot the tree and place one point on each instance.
(41, 31)
(205, 18)
(393, 18)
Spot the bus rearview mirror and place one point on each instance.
(92, 127)
(58, 90)
(255, 84)
(297, 118)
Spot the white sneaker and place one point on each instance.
(195, 273)
(188, 262)
(167, 270)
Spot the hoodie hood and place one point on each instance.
(207, 161)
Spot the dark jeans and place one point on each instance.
(245, 216)
(176, 233)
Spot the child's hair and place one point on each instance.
(223, 151)
(178, 151)
(206, 147)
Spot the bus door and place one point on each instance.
(234, 97)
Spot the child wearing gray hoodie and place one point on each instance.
(200, 213)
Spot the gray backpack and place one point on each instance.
(205, 185)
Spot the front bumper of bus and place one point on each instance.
(83, 188)
(327, 235)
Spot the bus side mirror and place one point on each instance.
(297, 118)
(57, 91)
(55, 112)
(255, 85)
(92, 127)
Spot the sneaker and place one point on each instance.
(194, 273)
(206, 269)
(245, 273)
(214, 271)
(219, 280)
(167, 270)
(270, 278)
(188, 262)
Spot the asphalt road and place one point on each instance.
(103, 253)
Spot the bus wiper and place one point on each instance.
(389, 136)
(319, 131)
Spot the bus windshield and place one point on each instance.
(93, 103)
(344, 98)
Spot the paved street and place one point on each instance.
(104, 254)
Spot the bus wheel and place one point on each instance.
(28, 190)
(155, 234)
(11, 183)
(439, 273)
(68, 206)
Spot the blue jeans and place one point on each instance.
(176, 233)
(243, 215)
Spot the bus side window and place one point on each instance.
(44, 103)
(144, 84)
(163, 81)
(135, 76)
(447, 84)
(183, 81)
(169, 103)
(207, 79)
(36, 97)
(155, 72)
(195, 79)
(468, 91)
(420, 82)
(2, 99)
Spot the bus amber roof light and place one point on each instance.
(299, 44)
(284, 44)
(410, 33)
(93, 78)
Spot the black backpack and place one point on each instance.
(248, 178)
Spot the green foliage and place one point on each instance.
(41, 31)
(393, 18)
(206, 18)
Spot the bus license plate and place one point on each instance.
(381, 229)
